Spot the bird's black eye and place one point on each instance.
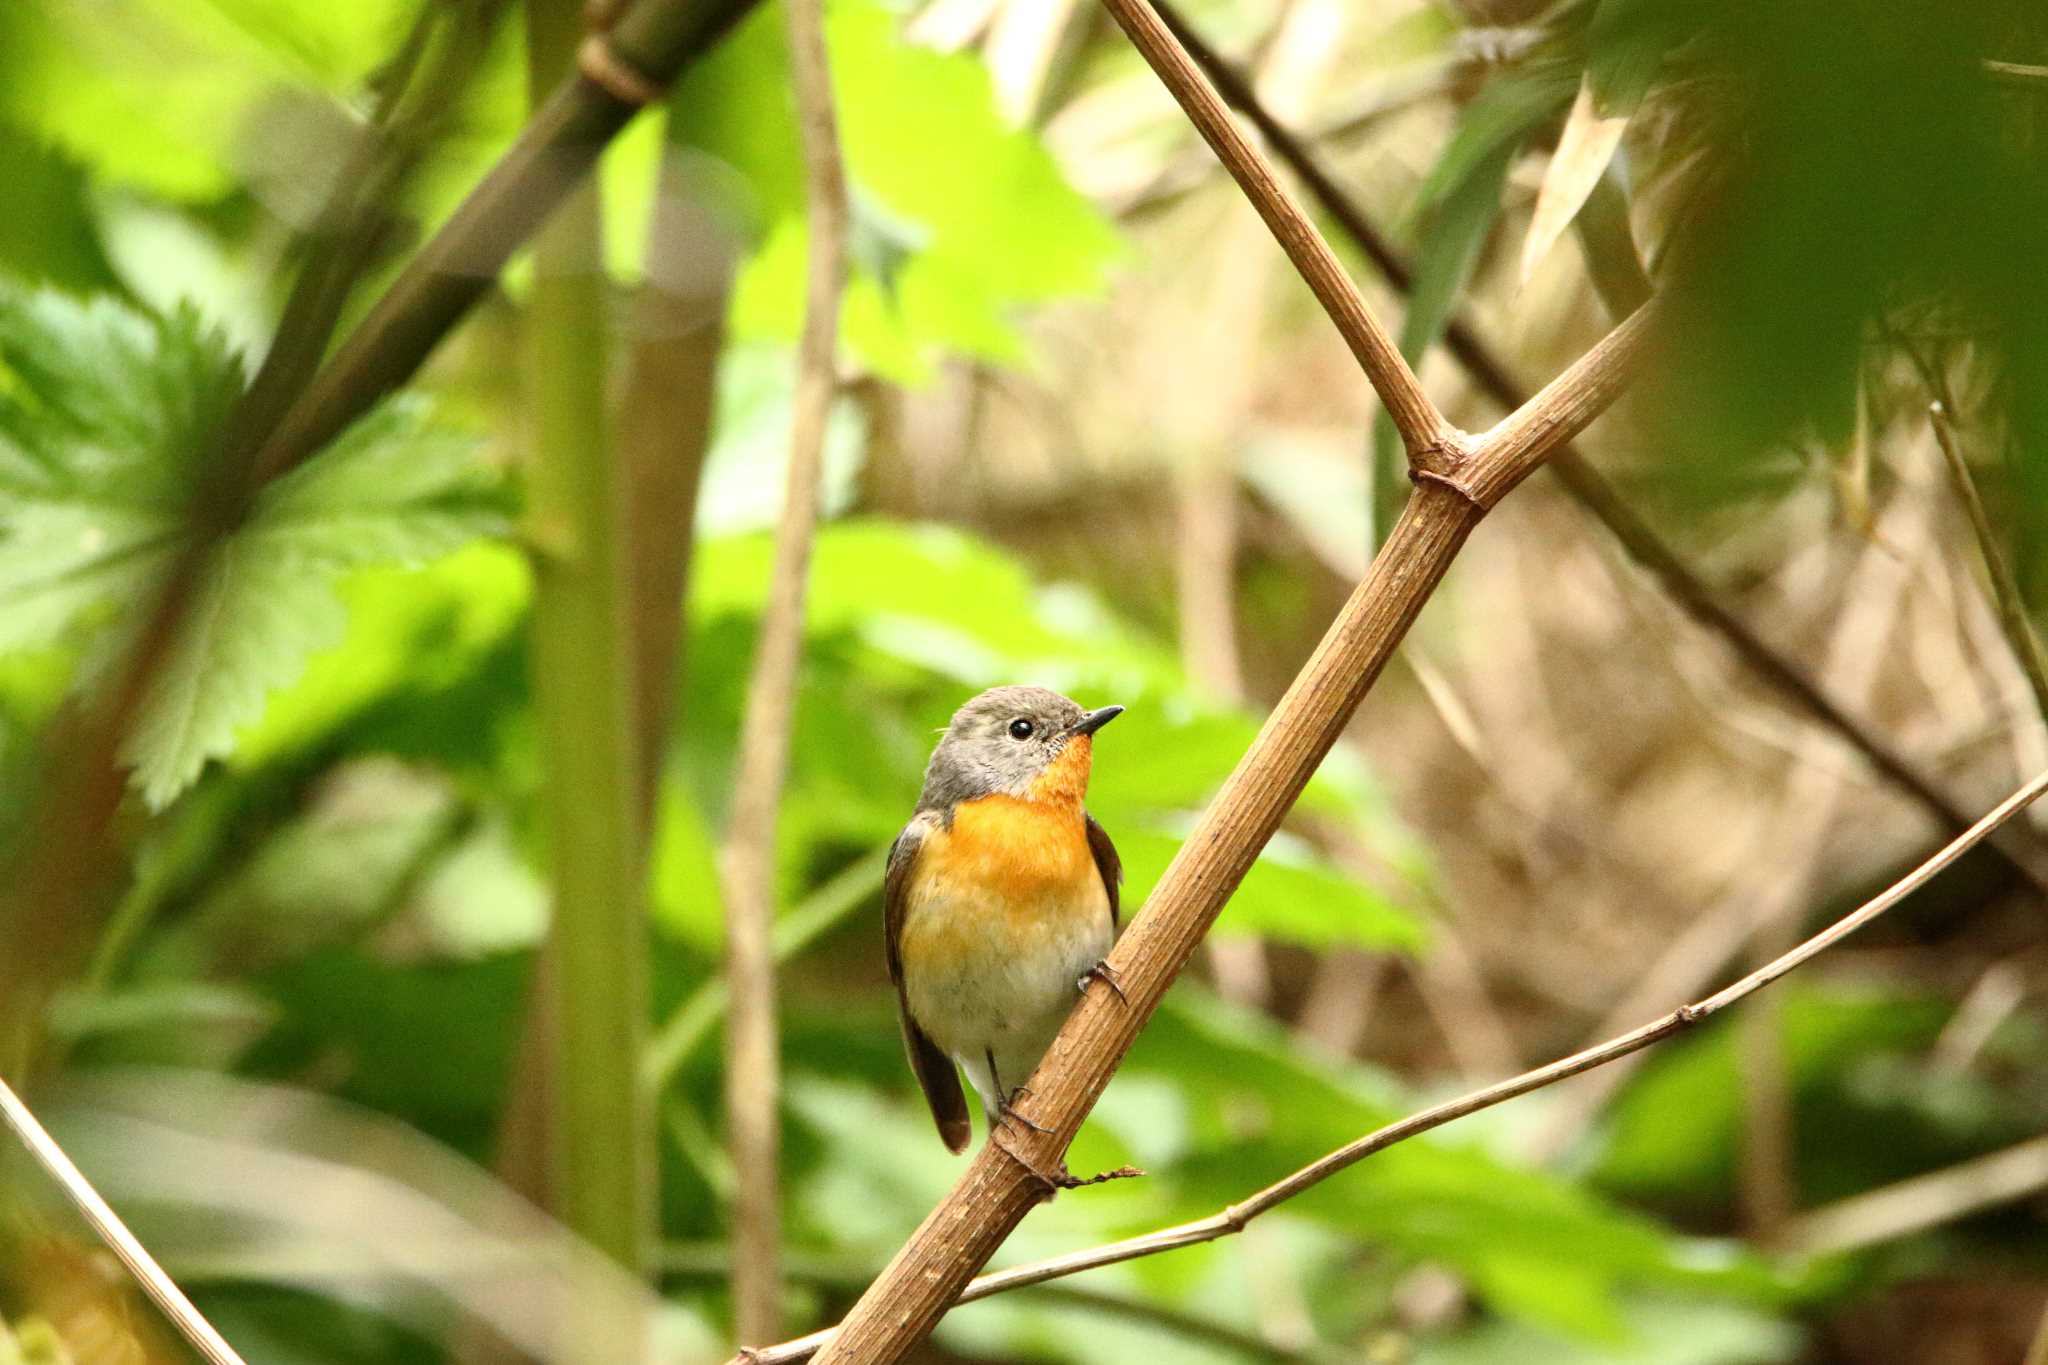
(1020, 728)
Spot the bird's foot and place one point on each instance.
(1008, 1111)
(1059, 1177)
(1108, 976)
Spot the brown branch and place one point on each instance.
(1421, 426)
(1457, 480)
(162, 1290)
(2003, 1176)
(752, 1059)
(417, 90)
(655, 39)
(2005, 589)
(1581, 479)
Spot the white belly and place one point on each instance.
(1005, 992)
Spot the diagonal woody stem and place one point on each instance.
(1457, 480)
(162, 1290)
(1421, 426)
(1233, 1219)
(1587, 486)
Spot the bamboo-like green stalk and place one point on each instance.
(601, 1140)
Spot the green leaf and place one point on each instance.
(1656, 1330)
(49, 233)
(1288, 895)
(424, 628)
(1456, 206)
(1261, 1106)
(103, 415)
(389, 490)
(960, 218)
(1625, 47)
(166, 95)
(108, 420)
(1676, 1127)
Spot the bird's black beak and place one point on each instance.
(1095, 720)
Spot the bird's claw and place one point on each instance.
(1107, 975)
(1009, 1110)
(1059, 1177)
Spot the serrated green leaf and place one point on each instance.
(108, 419)
(102, 416)
(391, 490)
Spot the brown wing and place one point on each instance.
(933, 1068)
(1110, 866)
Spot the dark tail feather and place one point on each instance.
(941, 1084)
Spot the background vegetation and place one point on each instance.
(1094, 435)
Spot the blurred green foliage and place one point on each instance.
(334, 874)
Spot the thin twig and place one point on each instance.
(752, 1060)
(1234, 1218)
(1581, 479)
(2005, 589)
(845, 1271)
(134, 1257)
(1421, 426)
(691, 1022)
(416, 90)
(655, 39)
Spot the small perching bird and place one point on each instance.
(1001, 898)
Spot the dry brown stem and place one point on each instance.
(1624, 290)
(752, 1060)
(134, 1257)
(1421, 426)
(2005, 589)
(2004, 1175)
(1457, 480)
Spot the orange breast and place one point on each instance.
(1011, 850)
(1008, 876)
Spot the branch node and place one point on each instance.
(1418, 474)
(598, 62)
(1688, 1014)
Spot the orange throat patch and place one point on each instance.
(1065, 780)
(1026, 854)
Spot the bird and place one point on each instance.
(1001, 899)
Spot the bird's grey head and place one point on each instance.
(1002, 740)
